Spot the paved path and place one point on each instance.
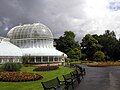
(100, 78)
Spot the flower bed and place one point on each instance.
(18, 76)
(46, 68)
(103, 64)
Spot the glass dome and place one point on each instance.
(36, 30)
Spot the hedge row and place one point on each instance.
(46, 68)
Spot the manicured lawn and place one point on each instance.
(34, 85)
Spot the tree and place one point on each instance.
(67, 42)
(108, 41)
(74, 54)
(90, 45)
(99, 55)
(117, 50)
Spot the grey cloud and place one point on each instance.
(53, 13)
(58, 15)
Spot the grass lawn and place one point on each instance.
(35, 85)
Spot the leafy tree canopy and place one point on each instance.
(67, 42)
(90, 45)
(108, 41)
(74, 54)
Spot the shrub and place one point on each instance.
(99, 55)
(107, 58)
(83, 56)
(118, 60)
(18, 76)
(11, 67)
(46, 68)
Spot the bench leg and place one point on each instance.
(72, 85)
(67, 87)
(78, 79)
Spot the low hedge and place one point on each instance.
(18, 76)
(46, 68)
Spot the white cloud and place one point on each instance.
(101, 17)
(98, 18)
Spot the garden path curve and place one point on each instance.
(100, 78)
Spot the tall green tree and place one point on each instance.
(117, 51)
(90, 45)
(67, 42)
(108, 41)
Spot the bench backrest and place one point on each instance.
(67, 76)
(79, 67)
(75, 72)
(51, 83)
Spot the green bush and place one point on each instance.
(83, 56)
(99, 55)
(11, 67)
(107, 57)
(118, 60)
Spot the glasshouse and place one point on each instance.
(31, 43)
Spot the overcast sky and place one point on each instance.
(80, 16)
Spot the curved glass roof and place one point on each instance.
(36, 30)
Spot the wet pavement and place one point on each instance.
(100, 78)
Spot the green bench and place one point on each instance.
(54, 84)
(81, 70)
(70, 79)
(77, 75)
